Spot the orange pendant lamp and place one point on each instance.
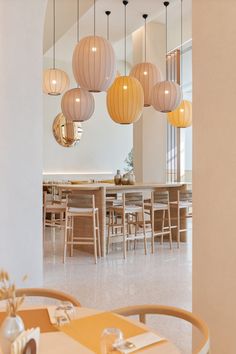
(146, 73)
(93, 62)
(55, 81)
(125, 98)
(181, 117)
(77, 104)
(166, 95)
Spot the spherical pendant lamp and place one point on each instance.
(94, 62)
(55, 81)
(66, 133)
(182, 116)
(125, 100)
(166, 95)
(77, 105)
(146, 73)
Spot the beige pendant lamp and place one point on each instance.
(181, 117)
(77, 104)
(166, 95)
(146, 73)
(66, 134)
(93, 62)
(55, 81)
(125, 98)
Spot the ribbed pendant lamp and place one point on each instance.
(166, 95)
(77, 104)
(146, 73)
(125, 98)
(93, 62)
(55, 81)
(181, 117)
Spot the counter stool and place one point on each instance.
(159, 203)
(81, 205)
(54, 208)
(129, 213)
(184, 201)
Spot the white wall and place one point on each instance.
(214, 170)
(21, 138)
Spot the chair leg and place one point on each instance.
(71, 236)
(109, 231)
(95, 238)
(178, 226)
(124, 236)
(169, 225)
(65, 238)
(98, 234)
(153, 229)
(163, 225)
(144, 233)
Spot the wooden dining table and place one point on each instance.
(101, 190)
(83, 334)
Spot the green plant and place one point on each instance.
(129, 161)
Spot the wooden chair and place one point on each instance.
(81, 205)
(48, 293)
(128, 212)
(159, 203)
(184, 202)
(143, 310)
(54, 208)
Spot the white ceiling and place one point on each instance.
(66, 16)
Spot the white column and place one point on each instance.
(21, 36)
(214, 170)
(150, 131)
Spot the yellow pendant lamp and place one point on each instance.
(55, 81)
(182, 116)
(146, 73)
(94, 62)
(166, 95)
(125, 98)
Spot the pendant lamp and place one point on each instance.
(166, 95)
(55, 81)
(148, 74)
(181, 117)
(93, 62)
(125, 98)
(77, 104)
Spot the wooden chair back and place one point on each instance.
(48, 293)
(143, 310)
(78, 200)
(133, 199)
(185, 196)
(161, 197)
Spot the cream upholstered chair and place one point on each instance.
(48, 293)
(81, 205)
(184, 202)
(129, 212)
(159, 203)
(143, 310)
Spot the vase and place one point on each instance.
(11, 327)
(117, 178)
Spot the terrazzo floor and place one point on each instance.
(162, 278)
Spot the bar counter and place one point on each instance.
(101, 189)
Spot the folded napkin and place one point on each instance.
(20, 342)
(61, 313)
(142, 340)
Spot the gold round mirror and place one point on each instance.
(66, 133)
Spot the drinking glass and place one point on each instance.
(110, 338)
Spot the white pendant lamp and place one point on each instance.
(166, 95)
(125, 98)
(146, 73)
(55, 81)
(77, 104)
(93, 62)
(181, 117)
